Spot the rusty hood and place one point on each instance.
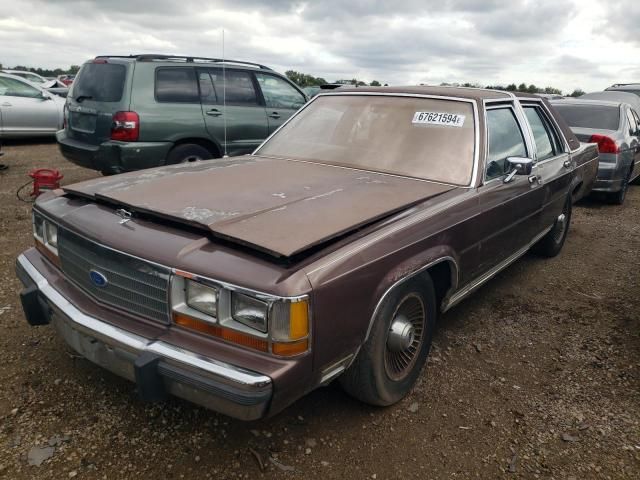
(278, 206)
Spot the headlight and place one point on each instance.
(46, 235)
(202, 298)
(38, 226)
(249, 311)
(51, 234)
(268, 323)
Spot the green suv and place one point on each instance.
(141, 111)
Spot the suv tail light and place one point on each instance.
(605, 144)
(125, 126)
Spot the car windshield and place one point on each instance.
(101, 82)
(599, 117)
(431, 139)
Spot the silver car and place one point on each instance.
(615, 127)
(27, 110)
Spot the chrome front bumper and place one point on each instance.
(156, 366)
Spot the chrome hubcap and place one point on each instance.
(405, 337)
(191, 158)
(401, 334)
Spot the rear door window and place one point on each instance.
(631, 123)
(238, 89)
(505, 140)
(176, 85)
(547, 143)
(100, 82)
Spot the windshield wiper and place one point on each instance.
(80, 98)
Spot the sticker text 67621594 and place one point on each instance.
(439, 118)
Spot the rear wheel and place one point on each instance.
(618, 197)
(551, 244)
(187, 152)
(391, 360)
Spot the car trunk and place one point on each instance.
(584, 134)
(280, 207)
(98, 92)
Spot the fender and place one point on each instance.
(409, 269)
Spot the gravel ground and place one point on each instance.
(537, 375)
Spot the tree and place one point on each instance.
(522, 87)
(375, 83)
(577, 93)
(552, 91)
(303, 79)
(532, 89)
(511, 87)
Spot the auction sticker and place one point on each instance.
(439, 118)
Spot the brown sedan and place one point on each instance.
(243, 283)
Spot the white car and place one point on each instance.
(27, 110)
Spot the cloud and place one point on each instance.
(415, 41)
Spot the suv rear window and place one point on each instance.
(100, 82)
(599, 117)
(177, 85)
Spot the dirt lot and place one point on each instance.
(536, 376)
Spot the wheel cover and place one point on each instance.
(560, 227)
(405, 337)
(191, 158)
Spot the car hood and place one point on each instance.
(281, 207)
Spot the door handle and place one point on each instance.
(6, 104)
(535, 179)
(214, 112)
(274, 115)
(567, 164)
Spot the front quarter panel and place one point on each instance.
(349, 283)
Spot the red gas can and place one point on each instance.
(44, 179)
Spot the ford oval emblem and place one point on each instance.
(98, 279)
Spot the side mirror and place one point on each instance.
(519, 166)
(45, 95)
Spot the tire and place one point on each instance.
(618, 197)
(188, 152)
(389, 364)
(551, 244)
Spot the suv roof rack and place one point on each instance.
(150, 57)
(624, 84)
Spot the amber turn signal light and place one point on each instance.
(232, 336)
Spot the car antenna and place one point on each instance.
(224, 98)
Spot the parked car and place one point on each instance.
(625, 87)
(27, 110)
(67, 79)
(245, 283)
(50, 85)
(615, 96)
(615, 127)
(128, 113)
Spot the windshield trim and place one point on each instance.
(476, 131)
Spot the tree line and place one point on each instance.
(45, 72)
(306, 80)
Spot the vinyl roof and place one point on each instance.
(458, 92)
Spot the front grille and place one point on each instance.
(133, 285)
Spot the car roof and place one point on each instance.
(457, 92)
(587, 101)
(179, 59)
(614, 96)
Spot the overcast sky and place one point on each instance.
(562, 43)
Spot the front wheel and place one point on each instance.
(391, 360)
(551, 244)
